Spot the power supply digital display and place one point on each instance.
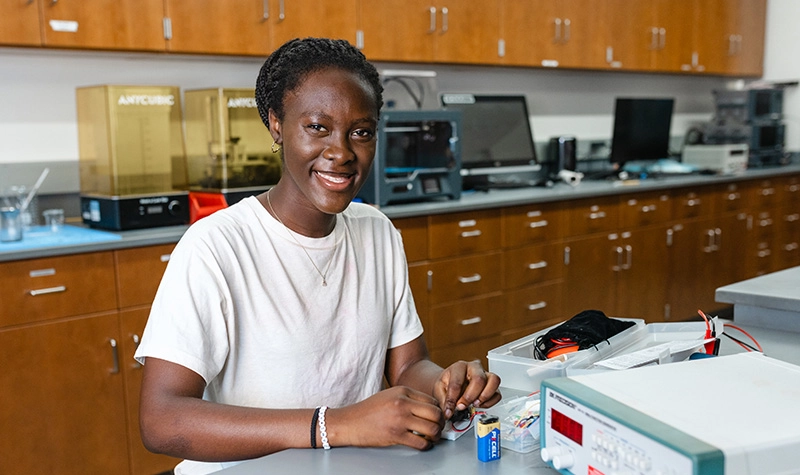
(567, 427)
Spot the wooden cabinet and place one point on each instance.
(103, 24)
(788, 226)
(255, 27)
(139, 272)
(447, 31)
(19, 23)
(551, 33)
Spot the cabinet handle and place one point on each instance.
(566, 255)
(765, 222)
(793, 188)
(265, 10)
(136, 341)
(791, 218)
(538, 224)
(629, 257)
(474, 233)
(764, 253)
(165, 257)
(537, 265)
(711, 241)
(114, 356)
(734, 196)
(537, 305)
(467, 223)
(49, 290)
(566, 30)
(430, 280)
(557, 35)
(670, 234)
(597, 215)
(609, 55)
(767, 191)
(281, 10)
(662, 34)
(649, 208)
(717, 239)
(653, 38)
(470, 279)
(738, 44)
(618, 267)
(444, 19)
(731, 45)
(432, 28)
(791, 246)
(471, 321)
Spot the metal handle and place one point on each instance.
(470, 279)
(648, 208)
(597, 215)
(791, 246)
(567, 23)
(432, 28)
(567, 256)
(654, 38)
(793, 188)
(136, 341)
(537, 305)
(430, 280)
(717, 239)
(49, 290)
(444, 19)
(711, 241)
(629, 257)
(610, 54)
(693, 202)
(764, 253)
(474, 233)
(537, 265)
(538, 224)
(670, 234)
(791, 218)
(471, 321)
(734, 196)
(662, 34)
(114, 356)
(618, 267)
(767, 191)
(557, 34)
(281, 10)
(467, 223)
(765, 222)
(731, 45)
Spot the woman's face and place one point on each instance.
(328, 135)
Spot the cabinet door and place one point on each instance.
(467, 31)
(415, 237)
(550, 33)
(662, 35)
(643, 274)
(291, 19)
(590, 274)
(398, 30)
(62, 406)
(623, 31)
(19, 23)
(143, 462)
(139, 272)
(210, 26)
(746, 40)
(104, 24)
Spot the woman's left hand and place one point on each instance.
(464, 384)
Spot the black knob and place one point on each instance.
(174, 207)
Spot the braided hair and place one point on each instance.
(286, 68)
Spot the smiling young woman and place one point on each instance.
(278, 318)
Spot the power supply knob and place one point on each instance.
(562, 461)
(549, 453)
(174, 207)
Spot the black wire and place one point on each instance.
(402, 81)
(742, 343)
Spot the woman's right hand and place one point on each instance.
(394, 416)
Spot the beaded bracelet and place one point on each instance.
(314, 428)
(323, 431)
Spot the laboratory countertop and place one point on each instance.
(469, 201)
(460, 456)
(771, 300)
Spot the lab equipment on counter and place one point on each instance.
(131, 156)
(10, 224)
(228, 148)
(721, 415)
(418, 158)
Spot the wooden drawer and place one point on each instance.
(139, 272)
(592, 215)
(789, 191)
(458, 234)
(474, 350)
(644, 209)
(532, 224)
(467, 320)
(533, 305)
(692, 203)
(415, 237)
(42, 289)
(732, 197)
(456, 279)
(532, 264)
(765, 194)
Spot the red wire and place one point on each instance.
(708, 325)
(729, 325)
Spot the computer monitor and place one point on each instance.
(641, 129)
(496, 135)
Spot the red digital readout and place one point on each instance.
(567, 427)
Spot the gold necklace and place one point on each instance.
(321, 274)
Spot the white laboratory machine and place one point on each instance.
(728, 415)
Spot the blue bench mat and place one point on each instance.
(38, 237)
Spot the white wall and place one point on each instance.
(782, 61)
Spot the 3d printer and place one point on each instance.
(227, 147)
(418, 157)
(131, 157)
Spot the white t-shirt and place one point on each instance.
(242, 305)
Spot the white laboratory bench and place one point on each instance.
(769, 301)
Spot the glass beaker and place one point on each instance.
(10, 224)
